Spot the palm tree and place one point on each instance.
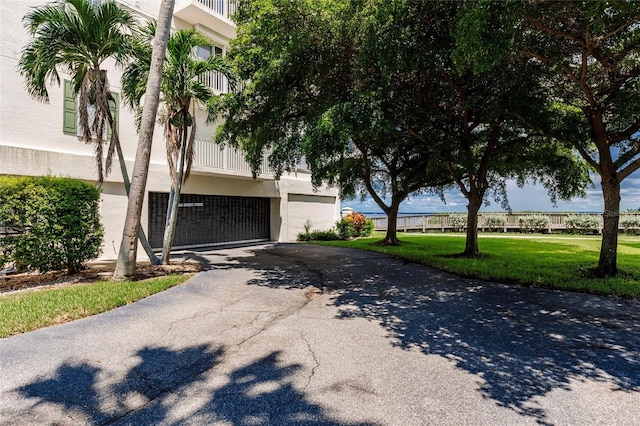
(126, 265)
(182, 89)
(76, 37)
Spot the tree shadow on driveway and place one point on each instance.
(173, 387)
(523, 343)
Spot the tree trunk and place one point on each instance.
(471, 244)
(607, 265)
(391, 239)
(126, 265)
(127, 188)
(172, 194)
(172, 219)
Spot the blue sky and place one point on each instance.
(531, 197)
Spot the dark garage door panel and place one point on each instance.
(210, 219)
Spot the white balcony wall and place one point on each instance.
(225, 8)
(217, 81)
(212, 157)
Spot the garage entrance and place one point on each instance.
(210, 219)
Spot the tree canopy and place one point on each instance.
(369, 93)
(589, 53)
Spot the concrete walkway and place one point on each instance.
(301, 334)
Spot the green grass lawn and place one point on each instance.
(28, 311)
(551, 261)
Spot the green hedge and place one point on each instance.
(630, 224)
(56, 223)
(495, 222)
(582, 224)
(533, 223)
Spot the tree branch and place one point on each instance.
(457, 179)
(535, 55)
(593, 163)
(627, 156)
(568, 36)
(622, 27)
(488, 152)
(632, 167)
(367, 178)
(626, 134)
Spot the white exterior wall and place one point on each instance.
(32, 143)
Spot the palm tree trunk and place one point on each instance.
(126, 265)
(172, 194)
(127, 188)
(172, 219)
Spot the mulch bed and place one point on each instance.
(34, 280)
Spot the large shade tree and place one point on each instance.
(590, 52)
(309, 95)
(183, 89)
(497, 128)
(76, 37)
(481, 126)
(353, 146)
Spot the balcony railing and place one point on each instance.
(225, 158)
(225, 8)
(217, 81)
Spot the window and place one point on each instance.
(70, 110)
(204, 52)
(215, 80)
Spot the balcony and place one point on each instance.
(225, 8)
(213, 158)
(213, 14)
(217, 81)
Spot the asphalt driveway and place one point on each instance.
(301, 334)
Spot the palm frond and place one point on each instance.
(182, 88)
(75, 37)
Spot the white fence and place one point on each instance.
(554, 222)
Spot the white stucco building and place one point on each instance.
(221, 202)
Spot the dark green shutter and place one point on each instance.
(114, 107)
(69, 120)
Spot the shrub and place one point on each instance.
(360, 225)
(304, 236)
(345, 229)
(581, 224)
(495, 222)
(534, 223)
(330, 235)
(57, 222)
(458, 221)
(630, 224)
(354, 225)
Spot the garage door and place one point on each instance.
(210, 219)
